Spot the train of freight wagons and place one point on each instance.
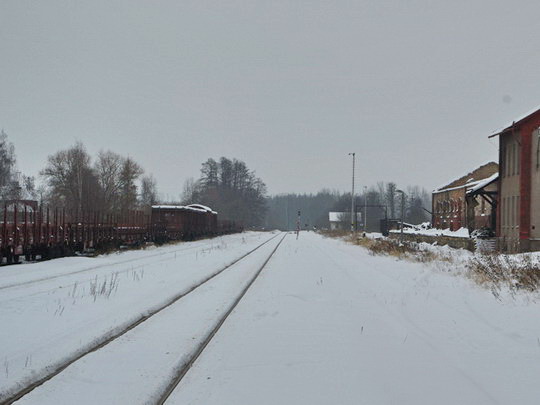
(34, 232)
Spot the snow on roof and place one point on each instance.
(168, 207)
(340, 216)
(483, 183)
(471, 184)
(202, 207)
(460, 233)
(191, 207)
(467, 183)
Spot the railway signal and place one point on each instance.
(298, 225)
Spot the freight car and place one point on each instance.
(37, 232)
(175, 222)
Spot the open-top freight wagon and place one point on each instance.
(37, 232)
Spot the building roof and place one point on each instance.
(471, 179)
(516, 122)
(483, 183)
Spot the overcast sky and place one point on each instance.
(290, 87)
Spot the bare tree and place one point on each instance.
(189, 191)
(71, 179)
(108, 167)
(7, 162)
(129, 173)
(148, 190)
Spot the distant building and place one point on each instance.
(342, 220)
(467, 202)
(518, 212)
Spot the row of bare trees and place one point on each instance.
(108, 184)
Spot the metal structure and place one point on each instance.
(352, 193)
(365, 208)
(383, 222)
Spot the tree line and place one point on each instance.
(112, 183)
(108, 183)
(72, 179)
(382, 200)
(229, 187)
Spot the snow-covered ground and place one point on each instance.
(139, 365)
(51, 311)
(325, 323)
(419, 230)
(329, 324)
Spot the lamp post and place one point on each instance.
(402, 211)
(352, 192)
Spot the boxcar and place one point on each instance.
(39, 232)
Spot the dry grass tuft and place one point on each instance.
(388, 247)
(402, 250)
(520, 272)
(494, 271)
(338, 233)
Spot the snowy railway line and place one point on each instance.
(202, 345)
(324, 322)
(68, 274)
(49, 371)
(174, 304)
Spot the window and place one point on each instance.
(503, 216)
(505, 211)
(506, 160)
(518, 161)
(518, 217)
(512, 153)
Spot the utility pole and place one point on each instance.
(402, 211)
(352, 193)
(365, 209)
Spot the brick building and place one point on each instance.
(518, 211)
(467, 202)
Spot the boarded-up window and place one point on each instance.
(503, 211)
(518, 217)
(518, 148)
(512, 159)
(513, 211)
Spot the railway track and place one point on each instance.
(202, 345)
(111, 338)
